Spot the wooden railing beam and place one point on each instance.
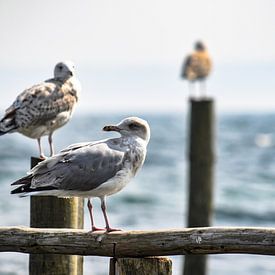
(197, 241)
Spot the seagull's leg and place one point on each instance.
(190, 88)
(41, 154)
(197, 89)
(203, 88)
(103, 207)
(51, 144)
(90, 207)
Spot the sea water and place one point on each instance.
(156, 198)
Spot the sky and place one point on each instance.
(128, 54)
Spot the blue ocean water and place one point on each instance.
(156, 198)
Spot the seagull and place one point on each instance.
(41, 109)
(91, 169)
(197, 66)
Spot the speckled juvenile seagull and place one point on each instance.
(91, 169)
(45, 107)
(197, 66)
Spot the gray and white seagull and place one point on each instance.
(92, 169)
(41, 109)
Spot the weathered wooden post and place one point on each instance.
(52, 212)
(141, 266)
(201, 173)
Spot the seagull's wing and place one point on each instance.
(81, 169)
(77, 146)
(186, 66)
(39, 103)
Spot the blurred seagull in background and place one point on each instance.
(91, 169)
(197, 67)
(45, 107)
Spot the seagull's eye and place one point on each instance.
(133, 126)
(60, 67)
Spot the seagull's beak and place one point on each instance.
(109, 128)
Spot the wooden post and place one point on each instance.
(201, 170)
(112, 266)
(141, 266)
(52, 212)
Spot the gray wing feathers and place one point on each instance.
(82, 169)
(76, 146)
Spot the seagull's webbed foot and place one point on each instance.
(94, 229)
(109, 229)
(42, 157)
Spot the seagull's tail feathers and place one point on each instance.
(25, 185)
(22, 190)
(7, 125)
(23, 181)
(5, 132)
(26, 189)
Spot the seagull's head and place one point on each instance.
(131, 126)
(200, 46)
(64, 70)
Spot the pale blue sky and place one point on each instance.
(128, 53)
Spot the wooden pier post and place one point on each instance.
(201, 171)
(52, 212)
(141, 266)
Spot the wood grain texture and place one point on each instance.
(144, 266)
(207, 240)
